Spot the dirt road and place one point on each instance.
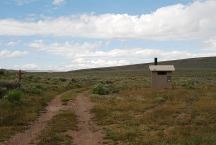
(88, 133)
(26, 137)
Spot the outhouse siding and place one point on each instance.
(161, 81)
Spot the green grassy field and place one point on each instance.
(130, 113)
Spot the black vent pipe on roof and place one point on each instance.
(155, 61)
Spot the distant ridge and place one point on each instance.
(205, 63)
(201, 63)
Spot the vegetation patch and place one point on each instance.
(70, 95)
(104, 88)
(167, 117)
(20, 107)
(14, 96)
(56, 131)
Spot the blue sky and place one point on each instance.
(74, 34)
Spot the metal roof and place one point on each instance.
(161, 67)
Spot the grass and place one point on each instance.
(141, 116)
(18, 108)
(70, 95)
(56, 131)
(16, 118)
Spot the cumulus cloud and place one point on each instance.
(190, 21)
(58, 2)
(10, 54)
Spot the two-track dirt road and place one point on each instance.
(87, 134)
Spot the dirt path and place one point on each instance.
(26, 137)
(88, 133)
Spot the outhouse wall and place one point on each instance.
(161, 80)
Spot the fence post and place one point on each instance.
(19, 78)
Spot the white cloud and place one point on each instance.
(210, 43)
(89, 55)
(10, 43)
(37, 44)
(13, 43)
(196, 20)
(69, 49)
(81, 63)
(29, 66)
(10, 54)
(58, 2)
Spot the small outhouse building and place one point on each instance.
(161, 75)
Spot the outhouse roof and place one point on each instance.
(161, 67)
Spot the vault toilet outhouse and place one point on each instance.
(161, 75)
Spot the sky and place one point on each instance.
(62, 35)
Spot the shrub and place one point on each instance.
(101, 89)
(30, 77)
(160, 99)
(14, 96)
(104, 89)
(2, 72)
(2, 92)
(74, 85)
(9, 85)
(33, 90)
(62, 79)
(190, 84)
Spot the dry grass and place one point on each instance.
(140, 116)
(70, 95)
(55, 132)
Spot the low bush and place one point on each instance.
(2, 72)
(3, 91)
(9, 85)
(74, 85)
(104, 88)
(14, 96)
(161, 99)
(33, 89)
(62, 79)
(190, 84)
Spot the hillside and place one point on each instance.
(202, 63)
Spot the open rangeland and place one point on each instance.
(113, 106)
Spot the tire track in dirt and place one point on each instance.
(88, 132)
(31, 134)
